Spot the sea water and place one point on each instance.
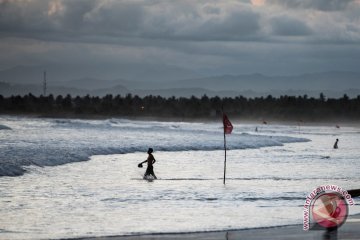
(74, 178)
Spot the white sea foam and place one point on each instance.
(49, 142)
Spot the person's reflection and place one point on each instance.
(330, 234)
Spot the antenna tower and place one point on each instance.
(44, 84)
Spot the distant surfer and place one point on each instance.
(336, 144)
(150, 161)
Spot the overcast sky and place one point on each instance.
(272, 37)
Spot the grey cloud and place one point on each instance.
(40, 18)
(321, 5)
(212, 10)
(69, 18)
(205, 35)
(21, 16)
(236, 26)
(73, 16)
(202, 22)
(115, 18)
(123, 21)
(96, 19)
(288, 26)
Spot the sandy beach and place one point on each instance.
(350, 230)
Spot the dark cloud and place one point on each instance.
(244, 36)
(160, 19)
(124, 20)
(70, 15)
(236, 25)
(19, 16)
(288, 26)
(69, 18)
(115, 19)
(321, 5)
(212, 10)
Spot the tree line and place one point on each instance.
(296, 108)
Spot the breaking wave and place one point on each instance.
(3, 127)
(49, 142)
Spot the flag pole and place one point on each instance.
(225, 156)
(222, 109)
(227, 130)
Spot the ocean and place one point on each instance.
(70, 178)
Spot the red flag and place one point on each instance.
(228, 127)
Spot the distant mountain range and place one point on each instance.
(63, 73)
(334, 81)
(22, 80)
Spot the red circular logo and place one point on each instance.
(330, 210)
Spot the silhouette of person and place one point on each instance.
(150, 161)
(336, 144)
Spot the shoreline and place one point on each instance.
(350, 230)
(236, 120)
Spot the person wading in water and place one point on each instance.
(150, 161)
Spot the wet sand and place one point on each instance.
(350, 230)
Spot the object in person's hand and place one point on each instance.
(140, 165)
